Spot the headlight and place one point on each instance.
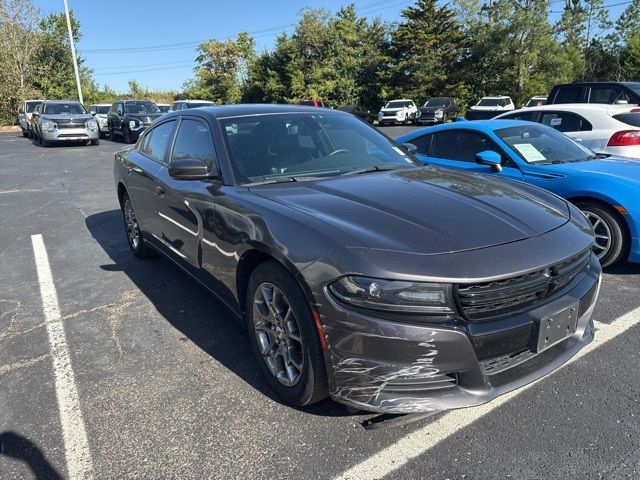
(394, 296)
(418, 113)
(439, 113)
(92, 124)
(49, 126)
(103, 122)
(380, 115)
(132, 124)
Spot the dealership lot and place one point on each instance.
(161, 383)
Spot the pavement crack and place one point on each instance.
(23, 364)
(12, 310)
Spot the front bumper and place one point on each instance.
(69, 134)
(387, 366)
(422, 119)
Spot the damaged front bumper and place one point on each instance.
(395, 367)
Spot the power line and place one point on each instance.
(190, 65)
(600, 8)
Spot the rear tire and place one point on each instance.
(95, 142)
(279, 319)
(25, 133)
(126, 135)
(612, 242)
(136, 241)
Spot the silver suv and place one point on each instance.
(99, 112)
(61, 120)
(24, 115)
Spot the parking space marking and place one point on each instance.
(77, 453)
(398, 454)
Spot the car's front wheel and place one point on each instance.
(136, 242)
(126, 135)
(611, 242)
(284, 337)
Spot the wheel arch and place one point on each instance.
(607, 203)
(257, 255)
(122, 191)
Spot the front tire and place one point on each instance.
(611, 242)
(95, 142)
(284, 337)
(136, 241)
(126, 135)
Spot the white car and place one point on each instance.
(610, 129)
(398, 111)
(186, 104)
(489, 107)
(164, 107)
(99, 112)
(536, 101)
(25, 112)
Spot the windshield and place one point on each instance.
(63, 108)
(541, 144)
(140, 107)
(397, 104)
(633, 86)
(198, 105)
(489, 102)
(31, 106)
(281, 146)
(164, 108)
(103, 109)
(435, 102)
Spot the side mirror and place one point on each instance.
(119, 113)
(490, 158)
(21, 110)
(189, 169)
(410, 147)
(92, 112)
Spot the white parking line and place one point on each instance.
(398, 454)
(77, 453)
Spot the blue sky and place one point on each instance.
(128, 25)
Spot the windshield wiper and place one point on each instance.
(374, 168)
(273, 180)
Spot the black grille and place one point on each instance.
(412, 383)
(502, 363)
(494, 299)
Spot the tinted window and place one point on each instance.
(268, 147)
(197, 105)
(568, 95)
(31, 106)
(436, 102)
(606, 95)
(460, 145)
(423, 144)
(489, 102)
(64, 108)
(632, 119)
(164, 108)
(193, 141)
(398, 104)
(565, 121)
(157, 141)
(102, 109)
(140, 107)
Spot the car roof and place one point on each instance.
(60, 101)
(496, 96)
(482, 125)
(250, 109)
(400, 100)
(576, 107)
(102, 104)
(194, 101)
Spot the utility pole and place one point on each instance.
(73, 51)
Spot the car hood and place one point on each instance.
(145, 117)
(393, 110)
(79, 116)
(430, 109)
(620, 168)
(426, 210)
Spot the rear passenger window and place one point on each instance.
(569, 95)
(193, 141)
(565, 122)
(157, 141)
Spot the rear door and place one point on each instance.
(458, 148)
(185, 205)
(143, 165)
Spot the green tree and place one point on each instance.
(631, 58)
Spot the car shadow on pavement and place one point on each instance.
(172, 293)
(16, 446)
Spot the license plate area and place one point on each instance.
(555, 328)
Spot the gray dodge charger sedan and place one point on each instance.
(357, 272)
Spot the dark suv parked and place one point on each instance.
(620, 93)
(129, 118)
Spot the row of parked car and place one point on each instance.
(51, 121)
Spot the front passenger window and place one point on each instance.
(461, 145)
(193, 142)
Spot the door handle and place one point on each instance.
(160, 191)
(130, 170)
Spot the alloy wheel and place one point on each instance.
(133, 232)
(604, 238)
(278, 334)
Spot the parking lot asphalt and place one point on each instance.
(167, 388)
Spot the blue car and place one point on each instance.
(607, 190)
